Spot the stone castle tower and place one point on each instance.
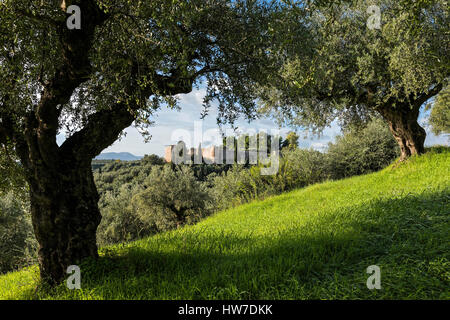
(207, 154)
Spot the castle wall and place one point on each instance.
(168, 153)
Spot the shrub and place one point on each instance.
(301, 167)
(171, 198)
(18, 246)
(141, 198)
(361, 151)
(120, 221)
(238, 185)
(153, 160)
(440, 113)
(297, 168)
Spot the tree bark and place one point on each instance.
(410, 136)
(65, 218)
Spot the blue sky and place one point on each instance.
(171, 126)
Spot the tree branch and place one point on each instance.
(74, 70)
(104, 127)
(37, 17)
(424, 97)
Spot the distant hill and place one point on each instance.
(124, 156)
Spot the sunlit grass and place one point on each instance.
(312, 243)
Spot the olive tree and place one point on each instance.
(92, 68)
(358, 60)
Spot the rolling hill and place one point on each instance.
(312, 243)
(123, 156)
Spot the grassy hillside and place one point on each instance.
(313, 243)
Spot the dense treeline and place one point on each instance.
(140, 198)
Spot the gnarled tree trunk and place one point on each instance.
(65, 217)
(64, 198)
(410, 136)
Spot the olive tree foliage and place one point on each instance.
(17, 242)
(335, 62)
(127, 60)
(120, 222)
(172, 198)
(133, 50)
(291, 141)
(11, 173)
(440, 113)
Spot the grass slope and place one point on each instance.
(313, 243)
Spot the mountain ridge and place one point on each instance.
(123, 156)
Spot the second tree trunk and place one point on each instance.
(406, 130)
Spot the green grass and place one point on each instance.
(312, 243)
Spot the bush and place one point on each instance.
(300, 167)
(241, 185)
(356, 152)
(361, 151)
(238, 185)
(297, 168)
(440, 113)
(120, 222)
(172, 198)
(159, 198)
(18, 246)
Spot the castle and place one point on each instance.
(208, 154)
(179, 153)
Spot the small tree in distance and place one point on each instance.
(440, 113)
